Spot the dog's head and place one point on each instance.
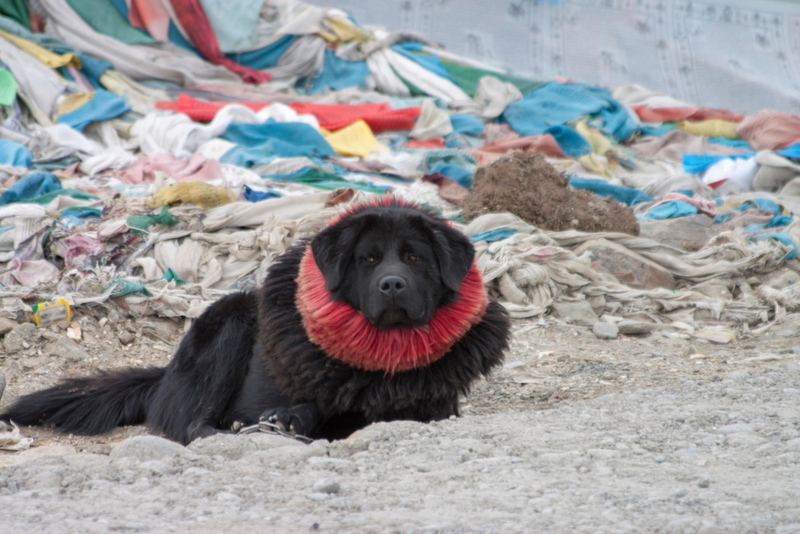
(396, 263)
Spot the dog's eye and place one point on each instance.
(412, 258)
(369, 259)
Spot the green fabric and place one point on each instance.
(105, 18)
(17, 10)
(328, 182)
(170, 275)
(127, 288)
(468, 77)
(46, 199)
(8, 87)
(143, 222)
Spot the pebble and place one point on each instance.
(126, 337)
(580, 313)
(6, 325)
(704, 482)
(605, 330)
(2, 384)
(325, 485)
(635, 328)
(661, 459)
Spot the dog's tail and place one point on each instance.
(90, 405)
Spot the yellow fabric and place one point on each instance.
(593, 163)
(355, 140)
(202, 194)
(600, 143)
(73, 102)
(710, 128)
(47, 57)
(347, 31)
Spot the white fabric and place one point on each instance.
(177, 133)
(35, 80)
(421, 77)
(432, 122)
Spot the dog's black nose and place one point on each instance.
(392, 285)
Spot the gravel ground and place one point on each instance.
(661, 433)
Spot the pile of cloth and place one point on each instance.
(158, 154)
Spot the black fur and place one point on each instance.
(248, 355)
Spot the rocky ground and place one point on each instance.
(661, 431)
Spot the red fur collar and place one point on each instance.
(345, 334)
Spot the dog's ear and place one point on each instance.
(332, 248)
(454, 252)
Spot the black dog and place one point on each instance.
(381, 316)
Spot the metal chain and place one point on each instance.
(268, 428)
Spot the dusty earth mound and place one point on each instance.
(531, 188)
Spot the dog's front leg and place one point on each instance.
(302, 419)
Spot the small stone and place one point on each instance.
(6, 325)
(102, 322)
(680, 493)
(581, 312)
(704, 482)
(13, 343)
(605, 330)
(720, 335)
(67, 349)
(348, 447)
(126, 337)
(326, 486)
(635, 328)
(44, 480)
(74, 332)
(661, 459)
(690, 351)
(27, 331)
(2, 383)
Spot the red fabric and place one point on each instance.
(194, 20)
(449, 189)
(769, 129)
(202, 111)
(433, 142)
(345, 334)
(381, 117)
(684, 113)
(545, 143)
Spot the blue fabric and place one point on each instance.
(493, 235)
(256, 196)
(31, 186)
(103, 106)
(175, 37)
(792, 151)
(265, 57)
(91, 67)
(626, 195)
(784, 238)
(454, 172)
(12, 153)
(247, 156)
(287, 139)
(780, 220)
(733, 143)
(668, 210)
(76, 216)
(689, 193)
(760, 203)
(429, 62)
(452, 141)
(571, 142)
(467, 124)
(558, 103)
(697, 163)
(338, 74)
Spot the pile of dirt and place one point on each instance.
(529, 187)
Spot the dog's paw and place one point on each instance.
(301, 419)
